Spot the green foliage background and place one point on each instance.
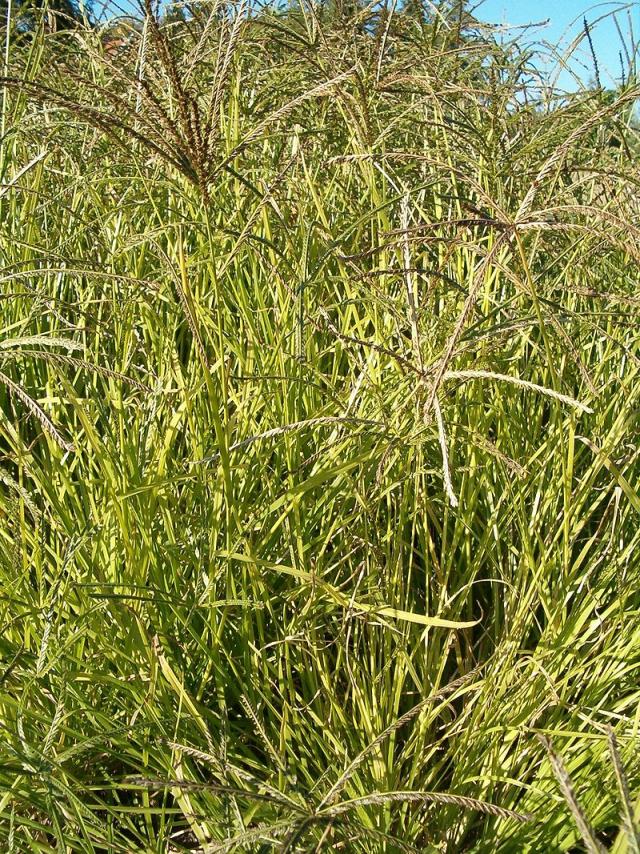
(319, 457)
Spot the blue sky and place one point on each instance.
(563, 21)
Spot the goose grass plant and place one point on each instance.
(319, 463)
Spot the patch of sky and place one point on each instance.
(556, 28)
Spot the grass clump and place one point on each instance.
(319, 393)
